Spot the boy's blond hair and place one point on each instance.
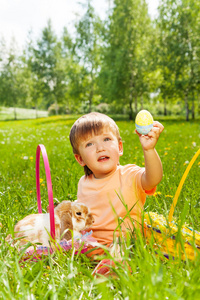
(91, 124)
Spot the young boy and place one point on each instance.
(107, 188)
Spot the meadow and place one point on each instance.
(8, 113)
(69, 276)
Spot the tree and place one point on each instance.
(12, 88)
(74, 73)
(163, 59)
(125, 69)
(179, 25)
(46, 65)
(88, 47)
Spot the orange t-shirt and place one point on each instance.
(110, 199)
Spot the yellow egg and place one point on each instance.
(144, 122)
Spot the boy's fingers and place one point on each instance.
(155, 129)
(158, 125)
(154, 133)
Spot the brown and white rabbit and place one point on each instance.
(69, 216)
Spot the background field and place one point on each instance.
(68, 277)
(8, 113)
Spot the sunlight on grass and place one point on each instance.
(146, 274)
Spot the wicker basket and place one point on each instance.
(167, 235)
(78, 245)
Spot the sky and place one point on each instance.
(18, 17)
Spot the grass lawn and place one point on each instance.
(68, 276)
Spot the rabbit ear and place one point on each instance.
(66, 235)
(70, 212)
(63, 207)
(66, 223)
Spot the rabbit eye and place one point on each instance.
(78, 213)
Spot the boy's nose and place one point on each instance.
(99, 147)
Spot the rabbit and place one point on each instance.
(69, 216)
(74, 216)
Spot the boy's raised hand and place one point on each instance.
(149, 141)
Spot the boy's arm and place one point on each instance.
(153, 170)
(153, 166)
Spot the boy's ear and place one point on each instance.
(79, 159)
(120, 148)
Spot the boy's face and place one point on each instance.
(100, 153)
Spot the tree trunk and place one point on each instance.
(130, 110)
(136, 104)
(131, 98)
(91, 98)
(91, 92)
(186, 107)
(56, 107)
(142, 102)
(165, 106)
(193, 106)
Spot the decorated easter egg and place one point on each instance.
(144, 122)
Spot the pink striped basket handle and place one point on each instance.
(49, 186)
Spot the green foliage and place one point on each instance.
(125, 66)
(88, 47)
(57, 109)
(47, 67)
(63, 275)
(178, 25)
(122, 61)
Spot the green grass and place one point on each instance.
(65, 276)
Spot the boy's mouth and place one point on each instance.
(103, 158)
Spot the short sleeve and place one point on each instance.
(151, 192)
(132, 175)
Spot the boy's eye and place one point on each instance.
(88, 144)
(107, 139)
